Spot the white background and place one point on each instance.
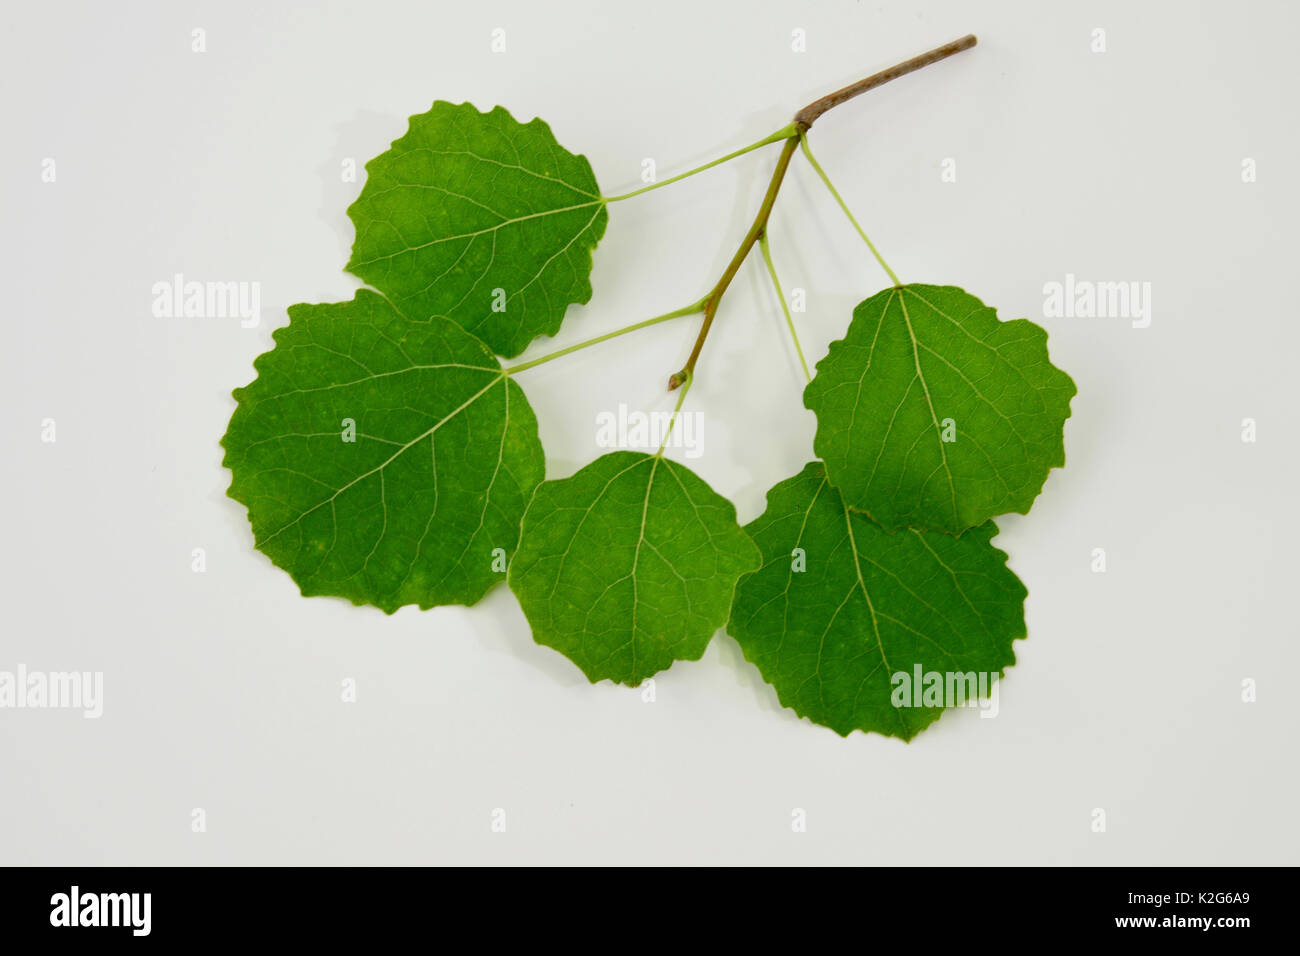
(222, 689)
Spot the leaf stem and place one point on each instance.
(783, 133)
(803, 141)
(715, 297)
(809, 114)
(785, 306)
(681, 398)
(691, 309)
(794, 134)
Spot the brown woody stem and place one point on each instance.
(802, 121)
(751, 237)
(809, 114)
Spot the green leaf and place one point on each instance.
(445, 456)
(933, 414)
(868, 605)
(480, 219)
(629, 565)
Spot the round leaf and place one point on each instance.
(382, 460)
(933, 414)
(629, 565)
(480, 219)
(841, 608)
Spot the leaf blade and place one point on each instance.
(468, 203)
(629, 565)
(868, 606)
(917, 363)
(444, 459)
